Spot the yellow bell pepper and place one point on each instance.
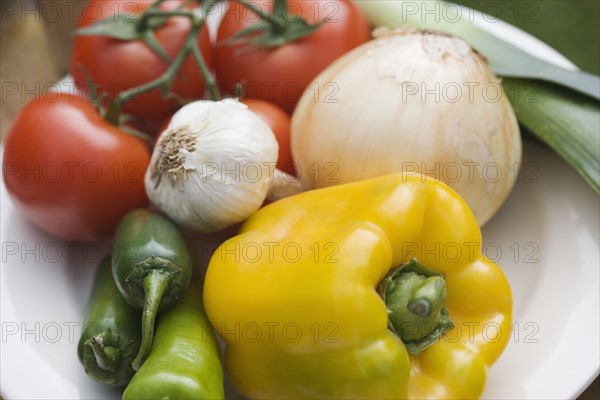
(311, 303)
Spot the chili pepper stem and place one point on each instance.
(108, 358)
(416, 301)
(155, 284)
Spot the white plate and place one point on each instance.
(546, 238)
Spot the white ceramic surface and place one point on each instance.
(546, 238)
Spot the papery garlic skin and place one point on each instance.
(213, 166)
(411, 100)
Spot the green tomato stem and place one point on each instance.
(155, 285)
(275, 28)
(152, 13)
(143, 23)
(165, 81)
(211, 84)
(277, 22)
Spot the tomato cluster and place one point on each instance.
(116, 65)
(70, 165)
(280, 75)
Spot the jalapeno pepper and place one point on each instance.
(185, 361)
(111, 334)
(151, 267)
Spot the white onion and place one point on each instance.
(419, 101)
(213, 166)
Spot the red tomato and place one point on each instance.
(279, 122)
(163, 127)
(70, 172)
(116, 65)
(281, 74)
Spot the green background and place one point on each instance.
(571, 27)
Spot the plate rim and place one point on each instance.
(554, 56)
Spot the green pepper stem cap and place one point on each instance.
(416, 301)
(108, 358)
(155, 284)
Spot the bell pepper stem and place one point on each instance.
(428, 298)
(155, 284)
(108, 358)
(416, 301)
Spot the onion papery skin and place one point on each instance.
(415, 101)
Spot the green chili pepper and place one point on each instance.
(111, 334)
(185, 360)
(151, 266)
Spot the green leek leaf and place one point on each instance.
(566, 120)
(504, 58)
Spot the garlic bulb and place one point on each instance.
(418, 101)
(213, 166)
